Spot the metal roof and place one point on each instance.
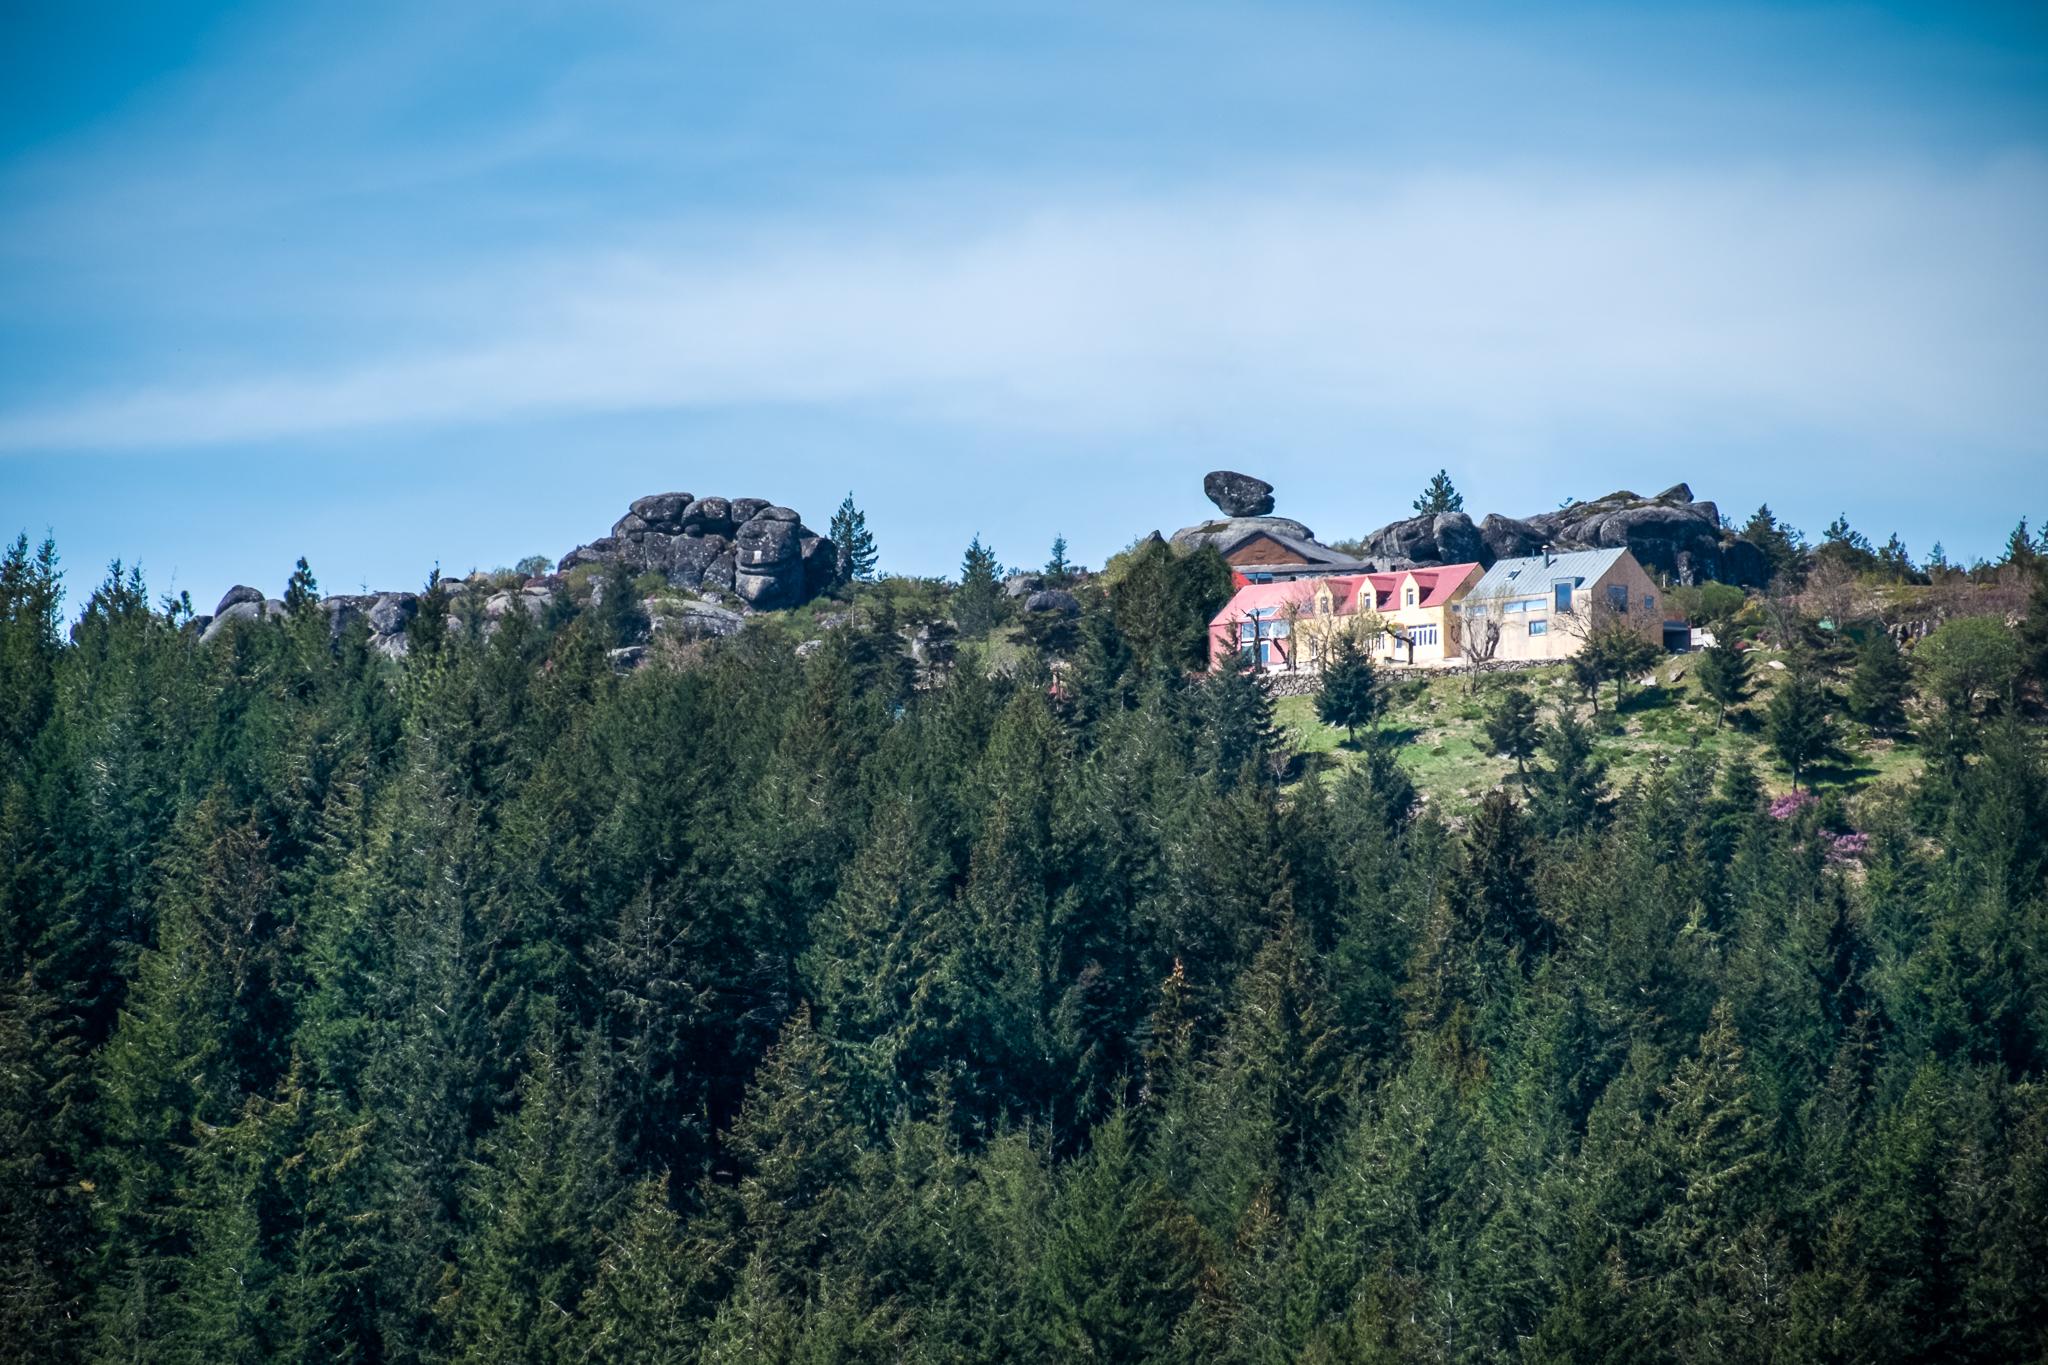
(1532, 576)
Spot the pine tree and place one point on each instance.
(544, 1176)
(1352, 694)
(1723, 672)
(1512, 729)
(1057, 566)
(1121, 1258)
(1566, 793)
(302, 593)
(853, 545)
(1796, 725)
(1878, 688)
(1439, 497)
(794, 1146)
(639, 1306)
(977, 602)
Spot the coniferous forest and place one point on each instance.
(766, 1005)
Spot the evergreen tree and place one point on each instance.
(1878, 689)
(1439, 497)
(1056, 566)
(977, 602)
(302, 593)
(1783, 547)
(1566, 793)
(1512, 728)
(1796, 725)
(1352, 694)
(853, 545)
(1723, 672)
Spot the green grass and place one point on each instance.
(1437, 725)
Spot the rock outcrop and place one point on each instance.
(1238, 495)
(1443, 538)
(1230, 530)
(1670, 533)
(760, 552)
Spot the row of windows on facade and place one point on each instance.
(1617, 598)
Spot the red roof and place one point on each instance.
(1436, 586)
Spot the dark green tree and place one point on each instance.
(978, 601)
(853, 545)
(1512, 728)
(301, 593)
(1056, 566)
(1723, 671)
(1567, 794)
(1439, 496)
(1797, 725)
(1880, 684)
(1352, 694)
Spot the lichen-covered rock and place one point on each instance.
(1508, 538)
(709, 517)
(745, 510)
(236, 596)
(663, 511)
(1232, 529)
(1054, 600)
(242, 610)
(1022, 584)
(763, 545)
(391, 613)
(1238, 495)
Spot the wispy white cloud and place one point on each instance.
(1909, 301)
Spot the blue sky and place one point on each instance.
(386, 284)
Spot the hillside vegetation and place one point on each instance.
(918, 977)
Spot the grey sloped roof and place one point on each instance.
(1532, 577)
(1311, 551)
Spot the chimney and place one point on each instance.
(1546, 554)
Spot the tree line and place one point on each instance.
(490, 1004)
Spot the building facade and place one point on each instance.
(1405, 617)
(1546, 606)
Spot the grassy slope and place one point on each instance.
(1438, 726)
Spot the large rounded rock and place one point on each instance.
(1053, 599)
(775, 513)
(700, 621)
(630, 526)
(766, 590)
(709, 516)
(762, 545)
(393, 612)
(1507, 538)
(236, 596)
(745, 510)
(663, 511)
(244, 610)
(719, 572)
(1225, 533)
(821, 562)
(1457, 539)
(1238, 495)
(684, 560)
(1022, 584)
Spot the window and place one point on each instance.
(1475, 612)
(1247, 631)
(1649, 601)
(1258, 577)
(1516, 606)
(1278, 630)
(1422, 635)
(1562, 595)
(1617, 596)
(1539, 626)
(1410, 598)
